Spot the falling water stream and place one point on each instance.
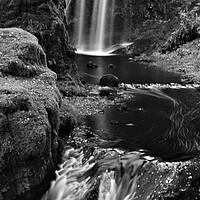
(81, 24)
(145, 148)
(95, 27)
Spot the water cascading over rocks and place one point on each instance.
(94, 24)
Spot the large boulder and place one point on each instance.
(29, 115)
(46, 20)
(109, 80)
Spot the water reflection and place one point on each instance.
(128, 72)
(166, 122)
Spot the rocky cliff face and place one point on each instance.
(29, 98)
(29, 114)
(46, 20)
(150, 25)
(157, 25)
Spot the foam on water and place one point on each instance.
(68, 184)
(94, 53)
(102, 52)
(119, 176)
(113, 174)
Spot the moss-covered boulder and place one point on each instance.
(109, 80)
(47, 21)
(29, 115)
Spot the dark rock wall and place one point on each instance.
(46, 20)
(161, 25)
(29, 115)
(149, 24)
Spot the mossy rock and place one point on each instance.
(68, 119)
(46, 20)
(109, 80)
(29, 114)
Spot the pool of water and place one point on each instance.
(125, 70)
(163, 121)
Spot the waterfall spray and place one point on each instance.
(101, 26)
(81, 11)
(94, 27)
(98, 26)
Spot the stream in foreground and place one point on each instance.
(149, 143)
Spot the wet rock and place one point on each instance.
(69, 88)
(130, 59)
(47, 21)
(111, 66)
(107, 91)
(109, 80)
(91, 64)
(101, 112)
(29, 115)
(68, 119)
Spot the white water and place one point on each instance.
(81, 24)
(93, 27)
(104, 52)
(111, 22)
(101, 27)
(75, 178)
(97, 31)
(118, 176)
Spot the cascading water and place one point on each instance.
(120, 176)
(98, 26)
(113, 174)
(96, 171)
(94, 27)
(80, 27)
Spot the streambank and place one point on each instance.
(29, 116)
(184, 61)
(97, 168)
(33, 65)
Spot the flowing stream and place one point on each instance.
(145, 148)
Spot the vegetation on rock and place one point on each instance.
(29, 114)
(47, 21)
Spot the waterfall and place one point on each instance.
(111, 22)
(101, 26)
(98, 26)
(80, 10)
(93, 30)
(81, 24)
(97, 29)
